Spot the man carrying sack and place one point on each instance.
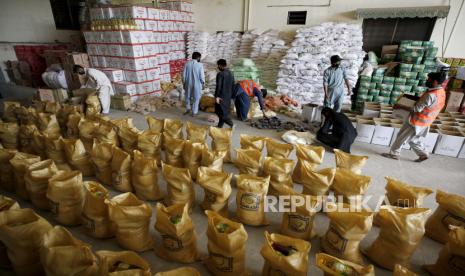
(98, 80)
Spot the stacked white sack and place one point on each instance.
(247, 41)
(197, 42)
(223, 45)
(301, 71)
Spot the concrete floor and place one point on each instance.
(439, 172)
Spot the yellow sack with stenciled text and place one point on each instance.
(312, 154)
(217, 189)
(174, 150)
(212, 159)
(7, 176)
(196, 133)
(184, 271)
(250, 199)
(352, 162)
(248, 161)
(252, 142)
(221, 141)
(77, 156)
(316, 183)
(349, 185)
(280, 171)
(149, 143)
(95, 217)
(144, 173)
(333, 266)
(192, 156)
(101, 155)
(36, 182)
(121, 170)
(278, 150)
(20, 162)
(155, 124)
(179, 186)
(122, 263)
(6, 204)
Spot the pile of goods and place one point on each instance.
(247, 40)
(223, 45)
(279, 125)
(244, 69)
(197, 42)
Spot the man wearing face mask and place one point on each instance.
(98, 80)
(223, 93)
(424, 112)
(334, 79)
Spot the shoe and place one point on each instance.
(187, 112)
(421, 159)
(391, 156)
(194, 115)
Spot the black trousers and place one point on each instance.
(342, 142)
(222, 111)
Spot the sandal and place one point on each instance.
(391, 156)
(421, 159)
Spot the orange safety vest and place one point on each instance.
(427, 116)
(248, 86)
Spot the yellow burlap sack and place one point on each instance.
(55, 149)
(284, 255)
(401, 230)
(250, 199)
(128, 137)
(333, 266)
(63, 113)
(192, 156)
(101, 155)
(252, 142)
(77, 156)
(36, 181)
(451, 211)
(132, 218)
(452, 255)
(20, 162)
(149, 143)
(121, 170)
(6, 203)
(106, 133)
(402, 271)
(63, 254)
(278, 150)
(316, 183)
(87, 130)
(402, 194)
(155, 124)
(174, 150)
(345, 160)
(122, 122)
(345, 232)
(177, 231)
(9, 111)
(312, 154)
(144, 173)
(38, 144)
(72, 125)
(66, 193)
(217, 189)
(25, 135)
(52, 108)
(196, 133)
(7, 176)
(349, 185)
(280, 171)
(184, 271)
(48, 124)
(221, 141)
(9, 135)
(38, 105)
(27, 115)
(226, 246)
(93, 105)
(179, 184)
(212, 159)
(122, 263)
(248, 161)
(95, 218)
(22, 232)
(173, 128)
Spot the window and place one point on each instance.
(296, 18)
(66, 14)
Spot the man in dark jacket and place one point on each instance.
(337, 131)
(223, 93)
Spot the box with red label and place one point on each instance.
(132, 51)
(114, 50)
(164, 68)
(135, 12)
(163, 58)
(134, 37)
(144, 87)
(116, 37)
(136, 64)
(46, 95)
(157, 37)
(114, 62)
(153, 73)
(89, 37)
(165, 77)
(164, 15)
(92, 49)
(156, 85)
(94, 62)
(96, 14)
(125, 88)
(103, 50)
(108, 13)
(135, 76)
(153, 61)
(115, 75)
(150, 49)
(102, 61)
(140, 24)
(151, 25)
(153, 13)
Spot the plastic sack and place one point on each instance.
(217, 189)
(284, 255)
(6, 204)
(179, 184)
(250, 199)
(345, 160)
(184, 271)
(77, 156)
(72, 125)
(316, 183)
(221, 141)
(312, 154)
(333, 266)
(93, 106)
(48, 124)
(252, 142)
(192, 156)
(196, 133)
(9, 135)
(144, 173)
(177, 231)
(248, 161)
(38, 144)
(25, 134)
(55, 150)
(27, 115)
(128, 137)
(122, 263)
(173, 128)
(22, 232)
(132, 219)
(280, 171)
(226, 246)
(349, 185)
(20, 162)
(121, 170)
(36, 181)
(7, 176)
(87, 129)
(106, 133)
(298, 138)
(450, 211)
(278, 150)
(63, 113)
(402, 194)
(95, 218)
(402, 271)
(212, 159)
(401, 230)
(9, 108)
(174, 150)
(149, 143)
(52, 108)
(101, 155)
(155, 124)
(63, 254)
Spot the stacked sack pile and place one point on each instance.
(247, 41)
(301, 72)
(197, 42)
(223, 45)
(244, 69)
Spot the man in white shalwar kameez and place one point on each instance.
(98, 80)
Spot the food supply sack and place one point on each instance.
(280, 171)
(451, 256)
(345, 160)
(212, 159)
(7, 176)
(62, 116)
(333, 266)
(121, 170)
(278, 150)
(93, 106)
(63, 254)
(106, 133)
(25, 135)
(312, 154)
(52, 108)
(122, 263)
(87, 129)
(9, 135)
(9, 111)
(450, 212)
(345, 232)
(250, 199)
(144, 173)
(184, 271)
(177, 231)
(252, 142)
(316, 183)
(284, 255)
(6, 203)
(173, 128)
(155, 124)
(27, 115)
(349, 185)
(179, 186)
(221, 141)
(217, 189)
(402, 271)
(36, 182)
(248, 161)
(38, 144)
(132, 218)
(174, 150)
(20, 162)
(55, 149)
(77, 156)
(72, 125)
(101, 155)
(128, 137)
(196, 133)
(402, 194)
(48, 124)
(95, 218)
(401, 231)
(226, 246)
(149, 143)
(22, 232)
(192, 156)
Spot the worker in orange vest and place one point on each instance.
(424, 112)
(243, 92)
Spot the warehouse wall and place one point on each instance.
(218, 15)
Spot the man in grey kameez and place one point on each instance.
(334, 79)
(193, 78)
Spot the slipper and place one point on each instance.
(392, 156)
(421, 159)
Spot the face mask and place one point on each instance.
(81, 73)
(429, 84)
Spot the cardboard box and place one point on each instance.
(114, 50)
(136, 64)
(125, 88)
(389, 49)
(103, 50)
(120, 102)
(150, 49)
(156, 85)
(46, 95)
(430, 140)
(401, 113)
(134, 37)
(115, 75)
(365, 130)
(449, 143)
(136, 12)
(132, 51)
(371, 110)
(153, 13)
(164, 68)
(144, 87)
(455, 84)
(102, 61)
(135, 76)
(460, 73)
(153, 62)
(153, 74)
(382, 134)
(140, 24)
(462, 152)
(454, 100)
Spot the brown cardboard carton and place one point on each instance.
(454, 99)
(46, 95)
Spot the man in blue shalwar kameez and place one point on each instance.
(193, 78)
(334, 78)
